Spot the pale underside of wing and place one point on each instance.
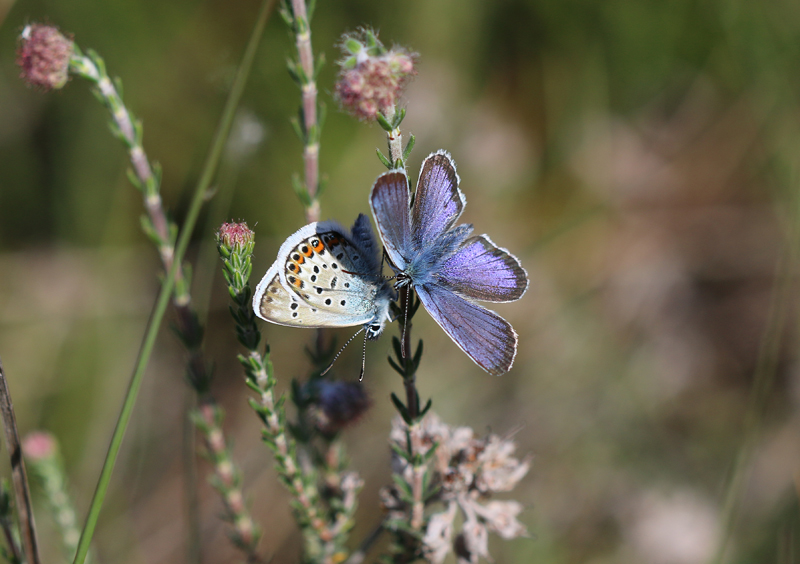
(320, 279)
(488, 339)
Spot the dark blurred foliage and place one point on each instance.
(639, 157)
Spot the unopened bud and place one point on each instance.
(39, 446)
(235, 234)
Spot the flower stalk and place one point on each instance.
(172, 247)
(324, 534)
(42, 452)
(227, 480)
(304, 70)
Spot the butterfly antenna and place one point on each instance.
(405, 322)
(341, 350)
(363, 358)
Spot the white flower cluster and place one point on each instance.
(467, 470)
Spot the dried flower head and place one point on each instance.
(372, 78)
(235, 235)
(43, 55)
(468, 471)
(338, 404)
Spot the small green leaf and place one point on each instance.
(298, 129)
(398, 118)
(396, 367)
(409, 146)
(426, 408)
(292, 67)
(322, 113)
(401, 409)
(418, 356)
(386, 162)
(300, 189)
(353, 46)
(118, 85)
(318, 65)
(404, 489)
(383, 122)
(398, 347)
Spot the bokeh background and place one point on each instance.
(639, 157)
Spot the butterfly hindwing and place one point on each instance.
(487, 338)
(438, 201)
(481, 270)
(321, 278)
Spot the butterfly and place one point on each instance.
(327, 277)
(445, 264)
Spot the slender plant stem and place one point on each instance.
(22, 492)
(193, 536)
(360, 554)
(220, 137)
(763, 380)
(308, 87)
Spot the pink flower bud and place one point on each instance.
(373, 79)
(235, 234)
(43, 55)
(39, 445)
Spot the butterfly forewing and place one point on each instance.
(438, 202)
(389, 203)
(481, 270)
(487, 338)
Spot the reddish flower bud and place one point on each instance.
(235, 234)
(39, 445)
(43, 55)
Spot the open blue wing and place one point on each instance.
(483, 271)
(438, 202)
(389, 203)
(487, 338)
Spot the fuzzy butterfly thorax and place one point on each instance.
(325, 276)
(446, 265)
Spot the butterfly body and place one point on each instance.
(325, 276)
(446, 265)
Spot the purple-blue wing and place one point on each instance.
(438, 202)
(483, 271)
(487, 338)
(390, 207)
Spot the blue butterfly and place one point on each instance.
(327, 277)
(447, 266)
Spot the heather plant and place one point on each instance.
(438, 470)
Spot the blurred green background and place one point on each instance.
(641, 158)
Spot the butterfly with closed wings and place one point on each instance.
(327, 277)
(445, 264)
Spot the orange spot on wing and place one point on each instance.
(306, 250)
(300, 260)
(319, 246)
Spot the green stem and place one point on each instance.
(223, 129)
